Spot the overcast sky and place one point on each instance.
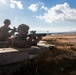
(40, 15)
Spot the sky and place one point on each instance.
(40, 15)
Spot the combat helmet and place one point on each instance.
(23, 28)
(7, 21)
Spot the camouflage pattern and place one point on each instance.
(4, 30)
(23, 29)
(7, 21)
(4, 34)
(21, 40)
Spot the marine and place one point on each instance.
(4, 30)
(21, 40)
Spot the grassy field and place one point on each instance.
(60, 60)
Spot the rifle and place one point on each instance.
(13, 31)
(36, 37)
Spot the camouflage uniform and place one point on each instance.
(4, 31)
(21, 40)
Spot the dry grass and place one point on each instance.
(62, 40)
(60, 60)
